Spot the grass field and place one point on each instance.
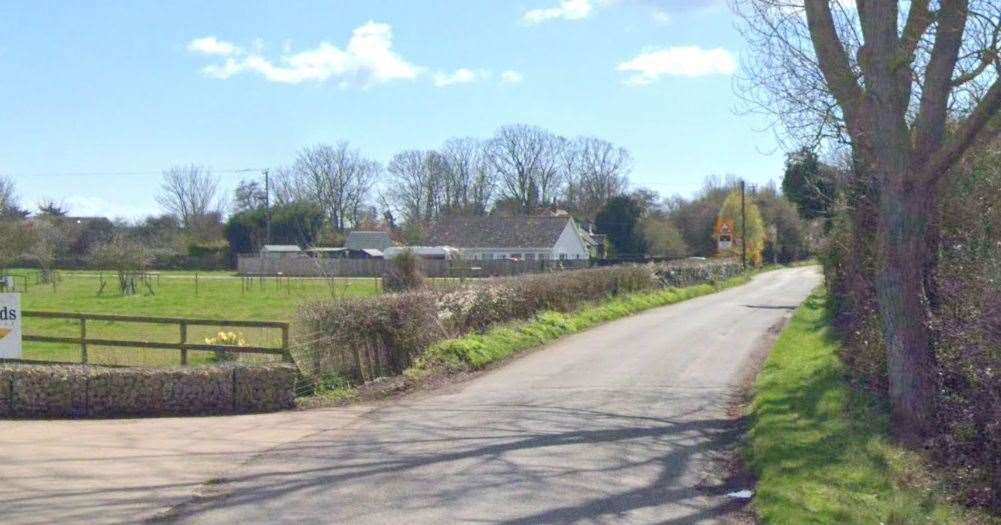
(217, 295)
(821, 450)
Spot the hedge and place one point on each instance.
(365, 338)
(37, 391)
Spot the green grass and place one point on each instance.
(822, 451)
(220, 295)
(475, 351)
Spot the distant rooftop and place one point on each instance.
(498, 232)
(368, 240)
(281, 248)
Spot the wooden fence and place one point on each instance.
(301, 266)
(183, 345)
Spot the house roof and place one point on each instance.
(281, 248)
(498, 232)
(368, 240)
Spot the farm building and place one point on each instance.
(344, 253)
(445, 253)
(522, 238)
(368, 240)
(280, 251)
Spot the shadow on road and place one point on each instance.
(448, 471)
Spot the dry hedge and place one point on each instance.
(378, 336)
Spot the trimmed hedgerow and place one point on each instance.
(477, 350)
(366, 338)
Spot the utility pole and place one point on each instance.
(267, 206)
(743, 228)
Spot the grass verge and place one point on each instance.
(821, 451)
(476, 351)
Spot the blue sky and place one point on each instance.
(98, 97)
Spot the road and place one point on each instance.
(617, 424)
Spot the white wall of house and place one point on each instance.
(479, 254)
(570, 245)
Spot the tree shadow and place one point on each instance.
(570, 463)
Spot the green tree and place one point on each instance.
(750, 232)
(663, 238)
(297, 223)
(619, 219)
(790, 240)
(809, 184)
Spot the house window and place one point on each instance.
(563, 256)
(529, 256)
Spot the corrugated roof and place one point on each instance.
(368, 240)
(498, 232)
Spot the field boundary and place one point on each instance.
(59, 391)
(183, 345)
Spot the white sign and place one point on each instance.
(10, 325)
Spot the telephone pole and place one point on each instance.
(267, 206)
(743, 228)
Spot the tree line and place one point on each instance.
(331, 188)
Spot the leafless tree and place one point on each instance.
(189, 193)
(338, 178)
(911, 87)
(10, 206)
(525, 159)
(417, 186)
(470, 181)
(601, 173)
(47, 239)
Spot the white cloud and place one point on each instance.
(210, 45)
(367, 59)
(661, 17)
(511, 77)
(566, 10)
(685, 61)
(459, 76)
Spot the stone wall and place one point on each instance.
(39, 391)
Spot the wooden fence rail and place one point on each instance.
(183, 345)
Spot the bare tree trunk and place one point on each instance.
(900, 291)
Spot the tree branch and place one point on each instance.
(929, 126)
(919, 19)
(989, 57)
(976, 127)
(832, 59)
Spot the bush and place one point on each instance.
(403, 273)
(965, 306)
(365, 338)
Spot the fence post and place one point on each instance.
(286, 352)
(184, 342)
(83, 340)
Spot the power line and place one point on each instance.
(127, 173)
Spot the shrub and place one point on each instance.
(403, 273)
(965, 307)
(365, 338)
(129, 259)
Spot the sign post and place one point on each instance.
(10, 326)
